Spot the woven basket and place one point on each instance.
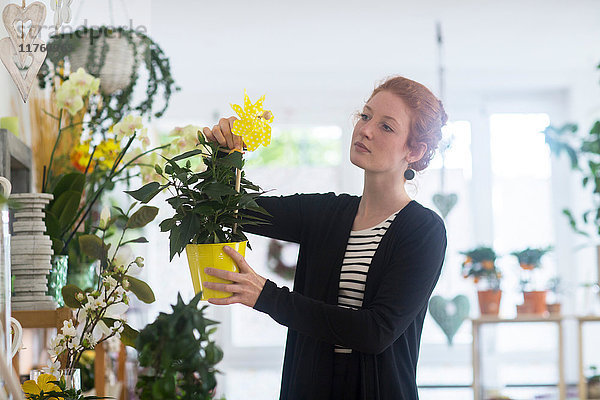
(115, 74)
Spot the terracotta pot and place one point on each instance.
(524, 309)
(489, 301)
(553, 309)
(536, 300)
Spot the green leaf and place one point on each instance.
(187, 154)
(234, 160)
(142, 217)
(92, 246)
(146, 192)
(73, 181)
(136, 240)
(129, 335)
(69, 293)
(65, 207)
(216, 190)
(141, 289)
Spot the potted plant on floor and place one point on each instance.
(207, 204)
(480, 265)
(534, 301)
(593, 383)
(178, 355)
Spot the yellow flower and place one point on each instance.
(128, 125)
(253, 125)
(68, 97)
(107, 152)
(84, 82)
(80, 156)
(43, 384)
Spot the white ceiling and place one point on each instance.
(308, 53)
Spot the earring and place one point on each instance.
(409, 174)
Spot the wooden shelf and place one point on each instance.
(477, 323)
(15, 162)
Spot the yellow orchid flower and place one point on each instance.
(80, 156)
(43, 384)
(253, 125)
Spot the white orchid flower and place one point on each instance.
(104, 217)
(53, 368)
(68, 329)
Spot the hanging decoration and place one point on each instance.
(62, 12)
(23, 52)
(449, 314)
(444, 202)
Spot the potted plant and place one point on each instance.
(206, 208)
(212, 206)
(555, 290)
(178, 355)
(115, 56)
(480, 265)
(593, 383)
(84, 163)
(534, 301)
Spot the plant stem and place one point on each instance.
(49, 171)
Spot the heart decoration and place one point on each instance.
(23, 55)
(445, 202)
(449, 314)
(62, 11)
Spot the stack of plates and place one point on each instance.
(31, 251)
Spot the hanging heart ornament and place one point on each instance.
(23, 53)
(449, 314)
(445, 202)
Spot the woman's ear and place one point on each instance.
(416, 153)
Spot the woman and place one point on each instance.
(367, 265)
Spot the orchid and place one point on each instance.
(68, 97)
(84, 83)
(254, 123)
(128, 125)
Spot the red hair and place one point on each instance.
(426, 111)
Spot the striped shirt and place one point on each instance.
(359, 251)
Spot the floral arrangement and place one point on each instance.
(100, 312)
(530, 258)
(480, 265)
(86, 162)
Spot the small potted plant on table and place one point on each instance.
(207, 203)
(480, 265)
(534, 301)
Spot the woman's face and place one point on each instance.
(379, 140)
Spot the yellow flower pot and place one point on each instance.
(201, 256)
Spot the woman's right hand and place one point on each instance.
(222, 134)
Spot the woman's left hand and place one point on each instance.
(246, 286)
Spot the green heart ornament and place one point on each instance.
(449, 314)
(445, 202)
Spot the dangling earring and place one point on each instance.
(409, 174)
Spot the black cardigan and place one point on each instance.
(386, 332)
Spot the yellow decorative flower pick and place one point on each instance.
(253, 125)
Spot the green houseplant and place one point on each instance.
(534, 301)
(480, 265)
(583, 150)
(178, 355)
(208, 209)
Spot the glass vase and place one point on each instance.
(57, 278)
(72, 377)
